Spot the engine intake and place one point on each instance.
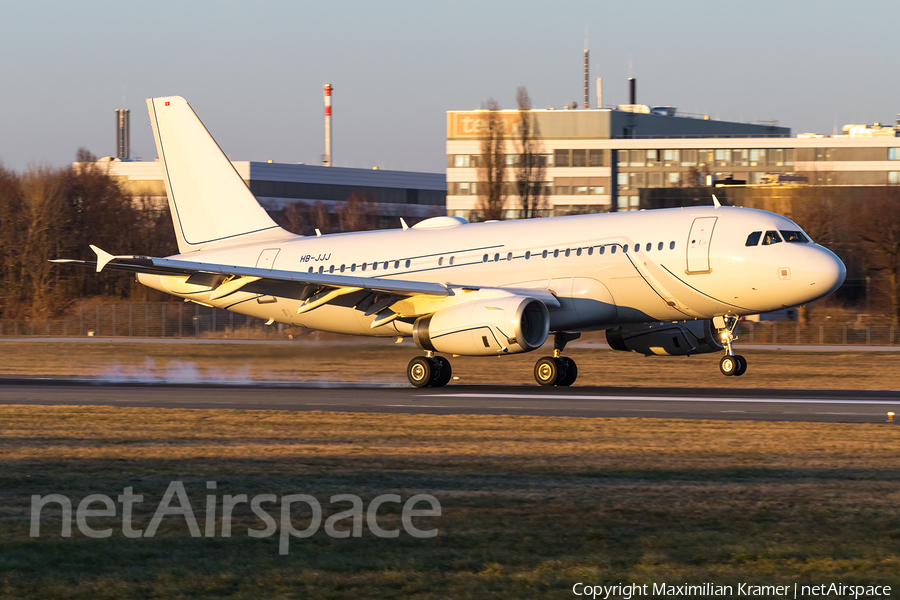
(502, 325)
(667, 339)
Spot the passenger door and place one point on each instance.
(698, 245)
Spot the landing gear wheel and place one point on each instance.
(742, 365)
(571, 372)
(548, 370)
(443, 372)
(729, 365)
(420, 371)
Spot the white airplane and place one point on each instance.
(670, 282)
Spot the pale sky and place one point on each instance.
(254, 71)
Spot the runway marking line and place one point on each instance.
(663, 399)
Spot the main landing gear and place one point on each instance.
(429, 371)
(731, 364)
(557, 369)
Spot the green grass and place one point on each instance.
(531, 505)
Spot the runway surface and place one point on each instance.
(704, 403)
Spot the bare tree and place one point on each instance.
(492, 163)
(530, 168)
(876, 221)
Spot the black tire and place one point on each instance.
(548, 370)
(729, 365)
(420, 371)
(571, 372)
(742, 365)
(443, 372)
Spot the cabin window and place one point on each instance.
(364, 266)
(556, 253)
(408, 263)
(331, 269)
(772, 237)
(612, 249)
(374, 266)
(544, 254)
(440, 261)
(310, 269)
(321, 269)
(509, 256)
(568, 251)
(527, 254)
(451, 261)
(753, 238)
(353, 268)
(602, 249)
(637, 247)
(578, 252)
(484, 258)
(649, 247)
(625, 248)
(342, 268)
(660, 246)
(590, 251)
(497, 257)
(396, 264)
(794, 237)
(671, 245)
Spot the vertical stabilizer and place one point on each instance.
(208, 199)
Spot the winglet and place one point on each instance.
(103, 257)
(318, 233)
(402, 222)
(716, 202)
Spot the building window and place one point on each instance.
(723, 158)
(655, 180)
(674, 179)
(757, 157)
(561, 158)
(579, 158)
(893, 153)
(704, 157)
(740, 157)
(622, 158)
(688, 158)
(637, 158)
(893, 177)
(671, 158)
(652, 157)
(463, 189)
(623, 180)
(595, 158)
(461, 160)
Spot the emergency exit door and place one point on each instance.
(267, 258)
(698, 245)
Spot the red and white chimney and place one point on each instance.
(326, 158)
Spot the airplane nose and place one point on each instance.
(825, 271)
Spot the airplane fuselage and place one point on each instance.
(604, 269)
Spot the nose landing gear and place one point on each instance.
(731, 364)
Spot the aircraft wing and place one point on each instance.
(224, 280)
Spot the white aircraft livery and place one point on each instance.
(667, 282)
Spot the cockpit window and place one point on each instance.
(753, 238)
(794, 237)
(772, 237)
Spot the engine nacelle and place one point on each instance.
(502, 325)
(667, 339)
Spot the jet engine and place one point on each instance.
(667, 339)
(507, 324)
